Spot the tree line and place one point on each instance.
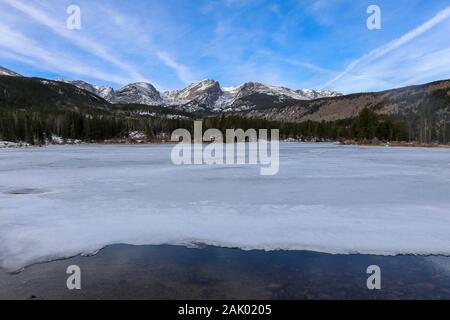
(37, 126)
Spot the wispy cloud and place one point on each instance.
(182, 71)
(129, 29)
(393, 45)
(307, 65)
(89, 45)
(295, 43)
(19, 47)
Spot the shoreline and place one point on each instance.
(399, 144)
(176, 272)
(130, 143)
(200, 246)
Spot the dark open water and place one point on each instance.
(170, 272)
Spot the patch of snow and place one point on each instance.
(7, 72)
(314, 94)
(138, 93)
(137, 135)
(202, 95)
(57, 140)
(46, 82)
(8, 144)
(102, 91)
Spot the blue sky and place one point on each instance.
(321, 44)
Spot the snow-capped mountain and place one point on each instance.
(139, 93)
(7, 72)
(313, 94)
(197, 96)
(102, 91)
(280, 92)
(208, 95)
(105, 92)
(204, 96)
(254, 94)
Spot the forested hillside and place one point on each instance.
(33, 110)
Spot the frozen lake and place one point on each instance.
(61, 201)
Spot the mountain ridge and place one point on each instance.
(7, 72)
(204, 96)
(428, 102)
(432, 98)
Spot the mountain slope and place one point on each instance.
(56, 96)
(429, 102)
(7, 72)
(433, 98)
(102, 91)
(36, 93)
(205, 96)
(199, 96)
(209, 96)
(138, 93)
(134, 93)
(314, 94)
(254, 94)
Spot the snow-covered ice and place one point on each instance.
(61, 201)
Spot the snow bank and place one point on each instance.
(62, 201)
(8, 144)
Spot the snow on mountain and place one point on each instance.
(313, 94)
(102, 91)
(200, 95)
(194, 91)
(205, 95)
(280, 92)
(7, 72)
(139, 93)
(253, 94)
(105, 92)
(210, 96)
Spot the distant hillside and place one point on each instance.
(433, 97)
(35, 110)
(424, 110)
(21, 92)
(47, 95)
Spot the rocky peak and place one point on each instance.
(140, 93)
